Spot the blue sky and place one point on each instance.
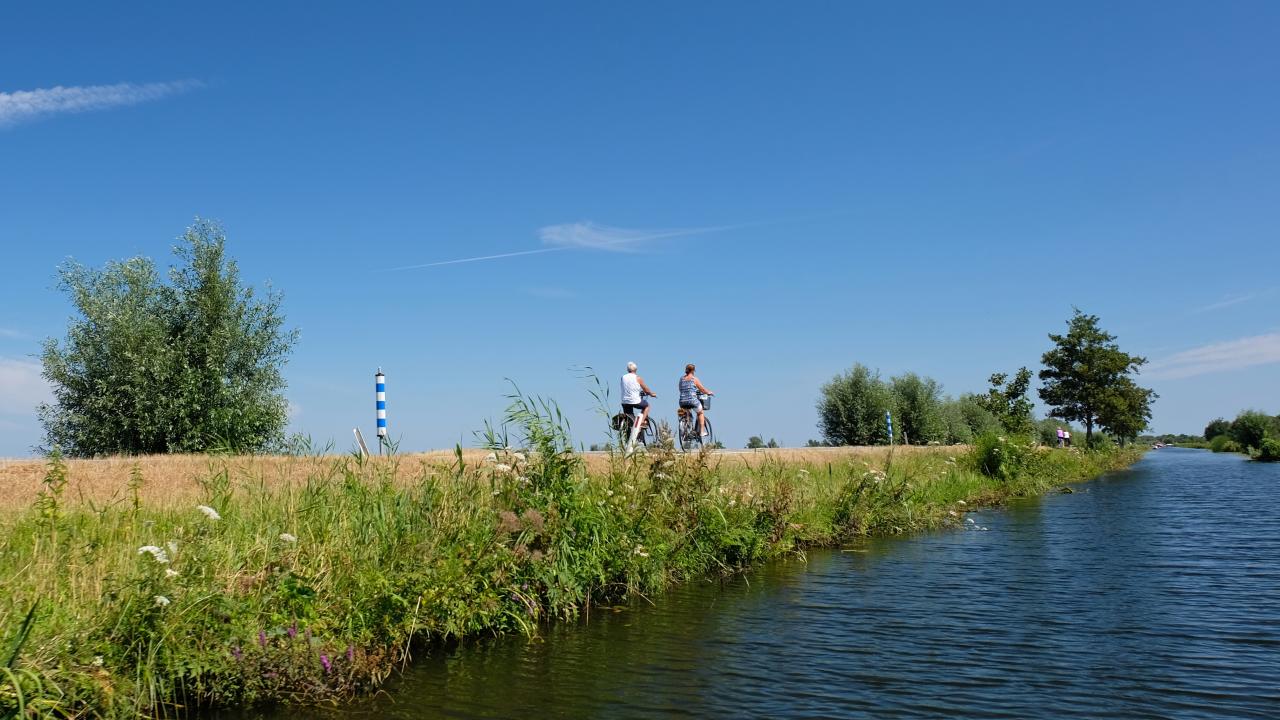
(771, 191)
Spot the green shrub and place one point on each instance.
(1000, 457)
(1216, 427)
(1250, 428)
(1222, 443)
(1270, 450)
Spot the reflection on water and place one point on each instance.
(1152, 593)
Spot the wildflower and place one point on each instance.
(237, 653)
(161, 601)
(288, 538)
(324, 660)
(209, 512)
(961, 502)
(262, 638)
(156, 552)
(502, 468)
(519, 456)
(97, 661)
(293, 631)
(660, 476)
(639, 550)
(170, 573)
(491, 457)
(351, 653)
(173, 547)
(608, 492)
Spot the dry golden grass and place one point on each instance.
(171, 480)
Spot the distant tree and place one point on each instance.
(190, 365)
(773, 444)
(957, 430)
(755, 442)
(1126, 410)
(1250, 428)
(851, 408)
(1007, 401)
(1084, 379)
(815, 443)
(977, 417)
(919, 408)
(1216, 427)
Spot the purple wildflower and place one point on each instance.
(324, 660)
(237, 653)
(351, 654)
(262, 638)
(293, 631)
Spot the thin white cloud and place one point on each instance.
(11, 334)
(1234, 300)
(1218, 357)
(26, 105)
(21, 387)
(584, 235)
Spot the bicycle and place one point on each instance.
(624, 421)
(687, 425)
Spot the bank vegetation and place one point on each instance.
(254, 590)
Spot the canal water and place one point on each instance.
(1153, 592)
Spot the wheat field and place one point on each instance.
(170, 480)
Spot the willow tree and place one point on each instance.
(185, 362)
(1089, 379)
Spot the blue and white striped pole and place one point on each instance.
(380, 387)
(888, 421)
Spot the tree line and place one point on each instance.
(1085, 378)
(1253, 432)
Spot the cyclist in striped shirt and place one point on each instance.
(690, 387)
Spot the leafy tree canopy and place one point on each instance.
(1007, 401)
(1087, 379)
(1216, 427)
(851, 408)
(918, 403)
(147, 366)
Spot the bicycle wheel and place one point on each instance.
(624, 431)
(646, 433)
(683, 432)
(710, 439)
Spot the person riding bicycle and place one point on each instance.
(633, 398)
(690, 388)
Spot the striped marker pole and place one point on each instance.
(888, 421)
(380, 387)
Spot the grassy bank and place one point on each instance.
(313, 589)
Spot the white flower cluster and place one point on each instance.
(288, 538)
(209, 512)
(156, 552)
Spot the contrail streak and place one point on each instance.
(596, 245)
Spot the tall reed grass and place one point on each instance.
(310, 591)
